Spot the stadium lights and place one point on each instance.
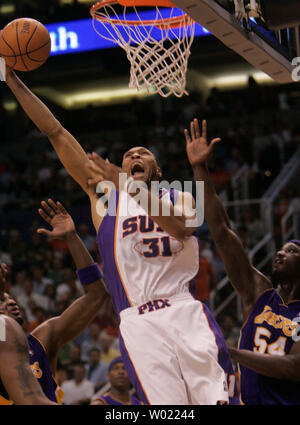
(93, 95)
(238, 80)
(112, 92)
(7, 8)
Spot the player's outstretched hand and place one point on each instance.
(101, 169)
(197, 148)
(60, 220)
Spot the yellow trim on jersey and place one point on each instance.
(39, 342)
(4, 401)
(58, 391)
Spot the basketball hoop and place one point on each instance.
(157, 48)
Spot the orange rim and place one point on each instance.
(174, 22)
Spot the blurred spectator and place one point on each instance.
(108, 353)
(71, 288)
(16, 246)
(205, 280)
(219, 176)
(92, 341)
(61, 375)
(87, 238)
(39, 282)
(5, 257)
(218, 265)
(78, 390)
(68, 356)
(50, 293)
(55, 272)
(96, 370)
(29, 299)
(39, 315)
(254, 226)
(230, 329)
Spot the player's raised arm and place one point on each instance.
(15, 371)
(247, 281)
(58, 331)
(66, 146)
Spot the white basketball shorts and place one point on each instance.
(171, 354)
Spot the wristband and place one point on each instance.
(89, 274)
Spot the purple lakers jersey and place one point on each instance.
(269, 329)
(110, 400)
(41, 369)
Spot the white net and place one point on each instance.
(157, 49)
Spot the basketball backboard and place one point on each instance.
(256, 45)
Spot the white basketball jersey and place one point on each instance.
(146, 263)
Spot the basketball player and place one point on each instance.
(17, 382)
(46, 340)
(269, 348)
(166, 338)
(119, 386)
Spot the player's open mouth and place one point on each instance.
(137, 170)
(279, 260)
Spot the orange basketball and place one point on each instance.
(25, 44)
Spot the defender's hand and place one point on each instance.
(55, 214)
(197, 149)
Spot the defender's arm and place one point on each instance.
(15, 371)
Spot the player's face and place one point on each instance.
(141, 164)
(287, 263)
(9, 307)
(118, 377)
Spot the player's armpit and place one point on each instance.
(15, 371)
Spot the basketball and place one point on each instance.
(25, 44)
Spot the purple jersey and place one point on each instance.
(269, 329)
(41, 369)
(110, 400)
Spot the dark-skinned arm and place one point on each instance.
(274, 366)
(57, 331)
(15, 371)
(247, 281)
(69, 151)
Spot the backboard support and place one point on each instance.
(253, 48)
